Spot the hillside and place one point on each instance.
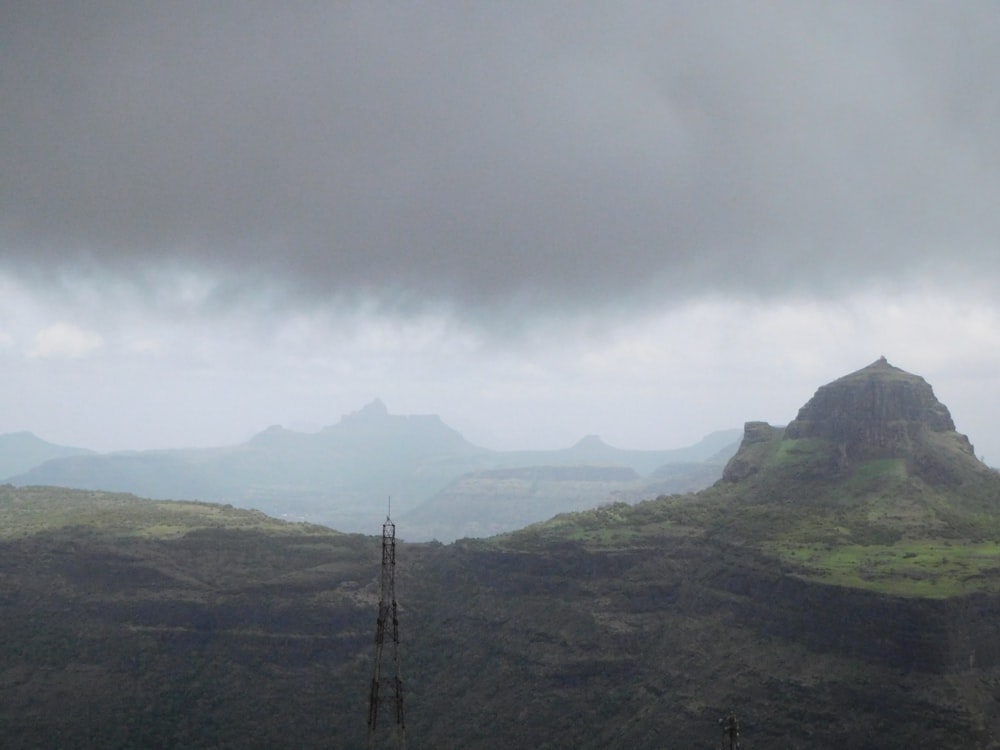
(130, 623)
(494, 501)
(135, 623)
(870, 485)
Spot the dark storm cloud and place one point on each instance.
(563, 154)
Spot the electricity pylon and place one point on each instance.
(387, 689)
(730, 732)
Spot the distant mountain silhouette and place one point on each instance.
(534, 487)
(592, 450)
(20, 451)
(345, 474)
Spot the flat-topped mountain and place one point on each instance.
(879, 412)
(526, 489)
(870, 486)
(492, 501)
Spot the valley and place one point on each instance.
(442, 486)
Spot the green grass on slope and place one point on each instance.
(881, 528)
(609, 527)
(802, 455)
(922, 568)
(30, 510)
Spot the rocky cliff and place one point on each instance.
(878, 412)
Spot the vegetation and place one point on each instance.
(29, 510)
(834, 595)
(135, 623)
(935, 569)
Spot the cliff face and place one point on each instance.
(749, 458)
(877, 412)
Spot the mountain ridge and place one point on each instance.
(21, 451)
(339, 474)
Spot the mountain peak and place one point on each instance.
(874, 412)
(376, 409)
(877, 412)
(590, 442)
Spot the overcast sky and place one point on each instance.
(539, 220)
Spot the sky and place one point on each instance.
(539, 220)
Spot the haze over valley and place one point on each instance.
(440, 485)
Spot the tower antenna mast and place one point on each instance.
(730, 732)
(386, 688)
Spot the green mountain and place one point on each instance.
(131, 623)
(344, 475)
(870, 485)
(20, 451)
(801, 591)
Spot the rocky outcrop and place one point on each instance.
(879, 411)
(749, 458)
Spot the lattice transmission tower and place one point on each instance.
(730, 732)
(387, 689)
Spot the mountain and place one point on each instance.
(837, 588)
(497, 500)
(878, 412)
(593, 451)
(492, 501)
(20, 451)
(345, 474)
(870, 484)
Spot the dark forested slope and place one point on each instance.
(836, 589)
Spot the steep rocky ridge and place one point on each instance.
(875, 411)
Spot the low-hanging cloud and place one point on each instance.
(484, 156)
(65, 341)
